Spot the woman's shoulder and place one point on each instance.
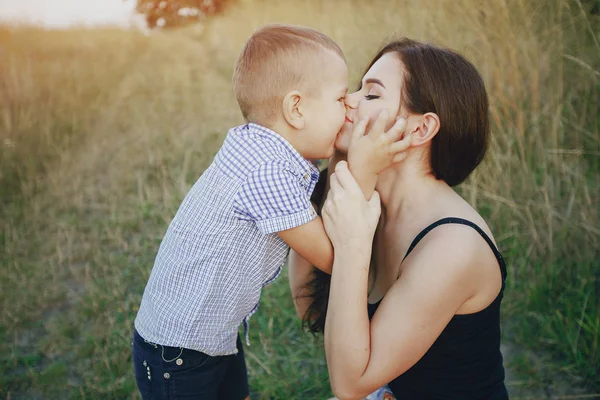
(462, 216)
(453, 232)
(463, 230)
(462, 249)
(449, 236)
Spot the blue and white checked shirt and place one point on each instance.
(221, 248)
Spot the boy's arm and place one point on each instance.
(365, 179)
(308, 251)
(311, 243)
(276, 200)
(370, 154)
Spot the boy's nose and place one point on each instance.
(351, 101)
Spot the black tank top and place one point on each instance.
(465, 362)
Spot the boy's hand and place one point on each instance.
(378, 149)
(370, 154)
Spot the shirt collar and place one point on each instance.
(307, 165)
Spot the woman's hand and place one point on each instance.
(349, 219)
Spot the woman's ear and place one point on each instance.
(425, 128)
(292, 110)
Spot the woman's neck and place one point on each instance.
(407, 188)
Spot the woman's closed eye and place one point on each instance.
(372, 97)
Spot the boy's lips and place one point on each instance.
(349, 120)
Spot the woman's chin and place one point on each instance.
(342, 152)
(342, 144)
(341, 149)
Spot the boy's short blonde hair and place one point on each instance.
(274, 60)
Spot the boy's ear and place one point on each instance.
(424, 129)
(292, 110)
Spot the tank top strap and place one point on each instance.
(455, 220)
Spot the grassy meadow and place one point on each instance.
(103, 131)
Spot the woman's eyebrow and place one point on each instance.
(375, 80)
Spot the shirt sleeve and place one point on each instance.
(275, 198)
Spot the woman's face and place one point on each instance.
(381, 88)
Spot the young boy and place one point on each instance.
(232, 233)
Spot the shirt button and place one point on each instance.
(306, 176)
(179, 361)
(167, 375)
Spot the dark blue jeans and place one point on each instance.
(169, 373)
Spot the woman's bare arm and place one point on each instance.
(300, 273)
(363, 355)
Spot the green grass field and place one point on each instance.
(103, 131)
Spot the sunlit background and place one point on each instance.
(65, 13)
(103, 130)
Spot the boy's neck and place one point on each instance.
(288, 133)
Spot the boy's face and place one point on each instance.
(325, 111)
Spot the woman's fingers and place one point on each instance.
(378, 127)
(359, 128)
(345, 178)
(375, 205)
(396, 130)
(334, 182)
(375, 200)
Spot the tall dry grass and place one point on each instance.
(103, 131)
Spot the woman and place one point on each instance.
(427, 322)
